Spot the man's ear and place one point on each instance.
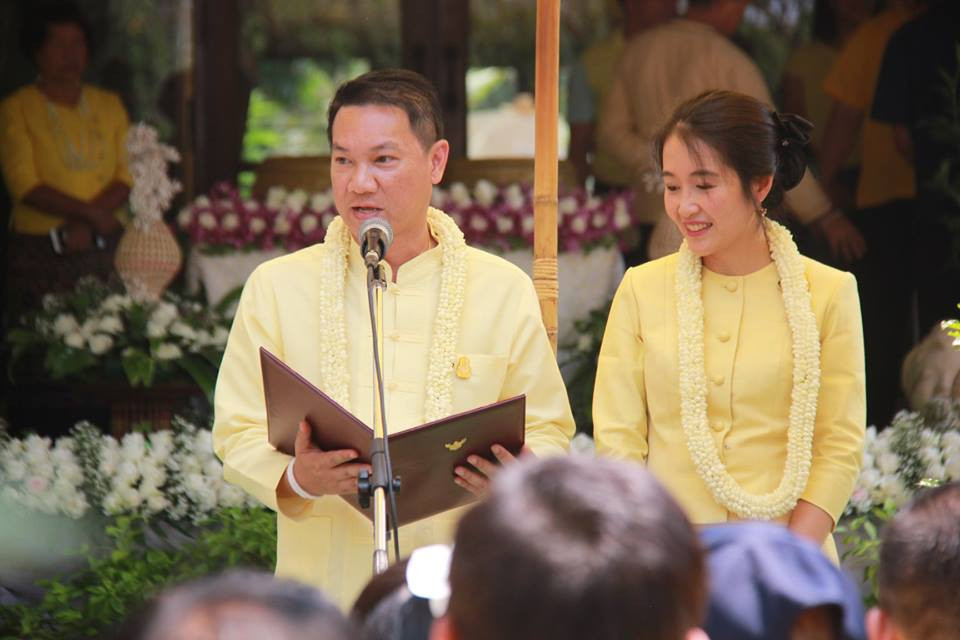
(442, 629)
(439, 153)
(880, 626)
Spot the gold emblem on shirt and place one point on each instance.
(463, 367)
(455, 445)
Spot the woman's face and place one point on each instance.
(705, 199)
(63, 56)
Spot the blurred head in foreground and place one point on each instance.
(766, 582)
(920, 570)
(575, 547)
(243, 605)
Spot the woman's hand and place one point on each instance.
(477, 480)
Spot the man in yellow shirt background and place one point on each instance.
(885, 188)
(665, 65)
(462, 328)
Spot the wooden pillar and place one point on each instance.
(434, 38)
(221, 93)
(545, 164)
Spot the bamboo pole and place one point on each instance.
(547, 105)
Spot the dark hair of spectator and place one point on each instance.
(38, 18)
(748, 137)
(301, 612)
(379, 588)
(406, 90)
(919, 569)
(572, 548)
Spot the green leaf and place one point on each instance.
(201, 372)
(139, 367)
(228, 300)
(62, 361)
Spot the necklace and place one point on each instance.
(87, 153)
(446, 331)
(806, 382)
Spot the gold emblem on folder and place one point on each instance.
(455, 445)
(463, 367)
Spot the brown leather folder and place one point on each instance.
(423, 457)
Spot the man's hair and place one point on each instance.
(290, 610)
(919, 573)
(576, 547)
(406, 90)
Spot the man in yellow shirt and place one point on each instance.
(461, 328)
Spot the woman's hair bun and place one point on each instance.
(793, 136)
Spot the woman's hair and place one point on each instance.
(746, 134)
(38, 18)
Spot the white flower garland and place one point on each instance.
(806, 382)
(446, 331)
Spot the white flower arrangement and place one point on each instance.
(172, 475)
(94, 327)
(153, 189)
(919, 448)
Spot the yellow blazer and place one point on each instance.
(749, 363)
(325, 542)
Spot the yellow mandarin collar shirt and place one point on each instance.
(325, 542)
(37, 137)
(748, 365)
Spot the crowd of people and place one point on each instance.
(731, 393)
(581, 547)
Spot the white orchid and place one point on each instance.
(100, 343)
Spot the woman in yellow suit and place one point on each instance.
(63, 158)
(734, 368)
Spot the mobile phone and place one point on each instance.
(57, 240)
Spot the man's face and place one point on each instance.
(379, 168)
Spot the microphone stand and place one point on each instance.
(381, 482)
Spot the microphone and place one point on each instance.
(376, 235)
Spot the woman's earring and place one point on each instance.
(762, 211)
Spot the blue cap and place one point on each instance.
(762, 576)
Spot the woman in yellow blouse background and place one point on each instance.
(63, 157)
(734, 368)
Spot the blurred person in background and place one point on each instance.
(590, 81)
(667, 64)
(62, 151)
(801, 87)
(885, 189)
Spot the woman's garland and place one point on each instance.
(806, 382)
(446, 331)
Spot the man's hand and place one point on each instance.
(479, 483)
(324, 472)
(844, 239)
